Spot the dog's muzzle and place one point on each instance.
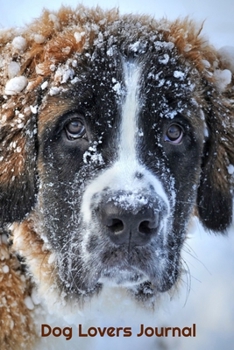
(129, 217)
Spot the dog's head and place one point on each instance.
(114, 131)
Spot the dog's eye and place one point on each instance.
(75, 129)
(174, 134)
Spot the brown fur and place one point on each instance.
(17, 156)
(16, 324)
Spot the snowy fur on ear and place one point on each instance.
(18, 129)
(17, 162)
(215, 194)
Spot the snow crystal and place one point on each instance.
(66, 50)
(19, 43)
(55, 91)
(64, 74)
(34, 109)
(68, 74)
(5, 269)
(222, 78)
(171, 114)
(21, 116)
(93, 155)
(39, 39)
(40, 69)
(74, 63)
(3, 118)
(110, 51)
(206, 132)
(79, 36)
(230, 169)
(164, 44)
(227, 56)
(188, 47)
(140, 133)
(55, 20)
(134, 47)
(51, 259)
(29, 303)
(178, 74)
(35, 297)
(95, 27)
(164, 59)
(95, 158)
(161, 82)
(117, 88)
(12, 145)
(52, 67)
(75, 80)
(202, 115)
(206, 63)
(15, 85)
(13, 69)
(44, 85)
(100, 37)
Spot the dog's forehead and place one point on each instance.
(99, 77)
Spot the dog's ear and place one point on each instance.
(17, 158)
(215, 197)
(20, 98)
(25, 62)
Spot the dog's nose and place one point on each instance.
(136, 226)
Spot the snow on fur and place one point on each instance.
(41, 59)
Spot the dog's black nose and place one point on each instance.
(128, 224)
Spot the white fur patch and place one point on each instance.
(122, 175)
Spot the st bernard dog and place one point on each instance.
(115, 131)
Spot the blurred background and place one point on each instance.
(210, 301)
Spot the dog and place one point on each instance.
(115, 131)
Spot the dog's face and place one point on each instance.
(119, 170)
(123, 156)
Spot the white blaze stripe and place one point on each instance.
(121, 176)
(130, 110)
(128, 160)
